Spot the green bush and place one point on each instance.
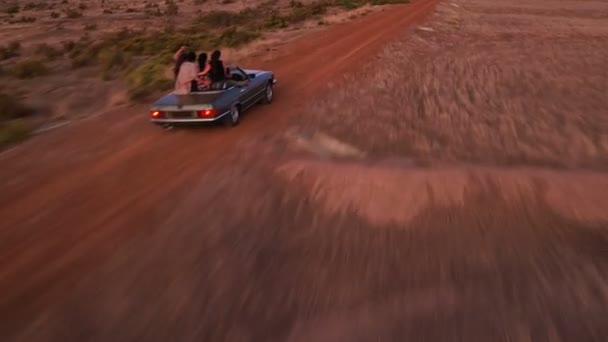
(352, 4)
(112, 61)
(12, 132)
(148, 78)
(29, 69)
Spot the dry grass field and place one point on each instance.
(66, 60)
(517, 83)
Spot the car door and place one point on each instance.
(249, 94)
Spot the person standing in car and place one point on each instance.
(218, 72)
(187, 73)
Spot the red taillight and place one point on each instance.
(207, 113)
(155, 114)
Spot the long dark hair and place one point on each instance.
(215, 55)
(190, 56)
(202, 61)
(184, 57)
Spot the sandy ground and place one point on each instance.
(300, 225)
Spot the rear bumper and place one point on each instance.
(189, 120)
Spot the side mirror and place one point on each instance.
(251, 75)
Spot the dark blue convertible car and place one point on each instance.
(225, 103)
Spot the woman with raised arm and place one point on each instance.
(186, 75)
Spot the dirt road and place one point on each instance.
(452, 189)
(68, 198)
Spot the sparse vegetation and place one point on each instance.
(115, 54)
(12, 128)
(29, 69)
(13, 49)
(11, 108)
(48, 51)
(12, 132)
(148, 78)
(111, 61)
(233, 37)
(71, 13)
(25, 19)
(13, 9)
(171, 7)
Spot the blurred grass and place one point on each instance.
(12, 132)
(29, 69)
(12, 126)
(118, 55)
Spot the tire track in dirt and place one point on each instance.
(45, 243)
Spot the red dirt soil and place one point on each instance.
(69, 196)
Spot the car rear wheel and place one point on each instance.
(232, 119)
(268, 94)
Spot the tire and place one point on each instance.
(232, 119)
(268, 94)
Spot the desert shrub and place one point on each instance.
(12, 108)
(29, 69)
(171, 7)
(153, 12)
(48, 51)
(25, 19)
(83, 55)
(82, 6)
(90, 27)
(68, 45)
(111, 60)
(234, 38)
(55, 15)
(299, 14)
(274, 20)
(198, 2)
(13, 49)
(72, 13)
(388, 2)
(352, 4)
(12, 132)
(148, 78)
(13, 9)
(36, 6)
(220, 19)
